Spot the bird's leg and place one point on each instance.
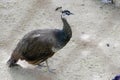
(48, 67)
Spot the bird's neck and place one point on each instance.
(66, 28)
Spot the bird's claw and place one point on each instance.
(52, 71)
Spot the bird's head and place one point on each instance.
(64, 12)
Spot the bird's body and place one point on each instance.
(39, 45)
(36, 46)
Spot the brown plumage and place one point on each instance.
(39, 45)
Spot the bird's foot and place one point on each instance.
(52, 71)
(41, 65)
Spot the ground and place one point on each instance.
(93, 53)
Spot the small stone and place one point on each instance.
(82, 4)
(108, 45)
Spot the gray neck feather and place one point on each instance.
(66, 27)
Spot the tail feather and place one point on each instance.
(12, 62)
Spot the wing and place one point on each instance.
(36, 46)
